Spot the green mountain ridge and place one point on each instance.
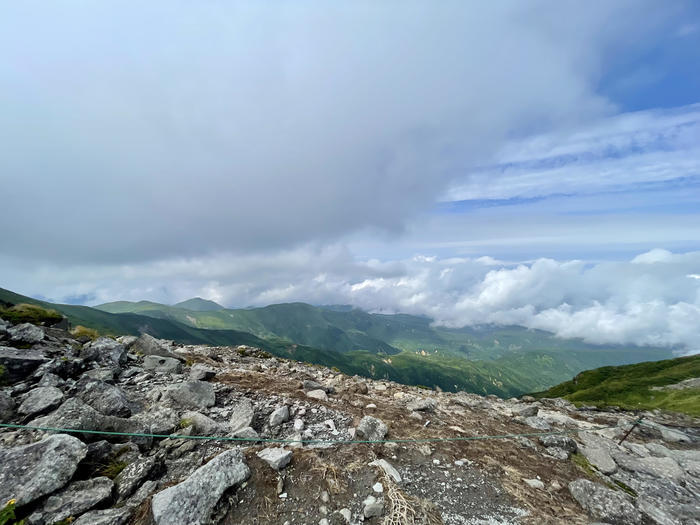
(635, 386)
(505, 361)
(198, 304)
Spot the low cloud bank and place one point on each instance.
(652, 299)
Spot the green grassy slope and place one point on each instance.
(198, 304)
(629, 386)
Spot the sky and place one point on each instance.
(532, 163)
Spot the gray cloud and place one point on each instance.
(134, 131)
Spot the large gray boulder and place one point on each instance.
(75, 499)
(372, 429)
(596, 450)
(7, 407)
(559, 441)
(193, 394)
(242, 415)
(193, 500)
(40, 400)
(159, 420)
(149, 345)
(31, 471)
(424, 404)
(19, 364)
(657, 467)
(162, 365)
(604, 504)
(103, 397)
(105, 351)
(26, 333)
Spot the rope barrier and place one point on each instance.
(304, 441)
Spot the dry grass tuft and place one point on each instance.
(409, 510)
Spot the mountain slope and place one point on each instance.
(637, 386)
(197, 304)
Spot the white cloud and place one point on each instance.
(648, 300)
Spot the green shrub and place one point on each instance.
(2, 375)
(82, 331)
(184, 423)
(7, 514)
(30, 313)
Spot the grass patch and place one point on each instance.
(30, 313)
(625, 488)
(113, 468)
(184, 423)
(629, 386)
(83, 331)
(2, 375)
(7, 514)
(583, 465)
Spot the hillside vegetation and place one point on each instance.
(638, 386)
(505, 361)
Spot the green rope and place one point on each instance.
(304, 441)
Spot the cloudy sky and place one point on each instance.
(533, 163)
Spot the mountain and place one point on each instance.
(505, 361)
(671, 384)
(197, 304)
(252, 439)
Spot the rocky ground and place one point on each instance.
(148, 386)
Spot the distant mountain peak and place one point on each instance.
(198, 304)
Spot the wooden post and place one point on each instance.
(631, 429)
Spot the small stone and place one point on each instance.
(317, 394)
(534, 483)
(7, 407)
(388, 469)
(201, 372)
(162, 365)
(192, 394)
(279, 416)
(423, 404)
(372, 429)
(378, 487)
(242, 415)
(298, 425)
(276, 457)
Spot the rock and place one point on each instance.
(247, 433)
(162, 365)
(35, 470)
(75, 499)
(41, 400)
(73, 414)
(127, 340)
(19, 364)
(202, 425)
(534, 483)
(200, 372)
(148, 488)
(314, 385)
(557, 453)
(388, 469)
(279, 416)
(378, 488)
(193, 394)
(49, 379)
(563, 442)
(7, 407)
(657, 467)
(133, 475)
(159, 420)
(319, 394)
(242, 415)
(105, 351)
(276, 457)
(26, 333)
(103, 397)
(604, 504)
(147, 345)
(115, 516)
(525, 410)
(372, 507)
(193, 500)
(298, 425)
(669, 435)
(537, 422)
(372, 428)
(423, 404)
(108, 374)
(597, 451)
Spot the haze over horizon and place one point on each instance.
(534, 163)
